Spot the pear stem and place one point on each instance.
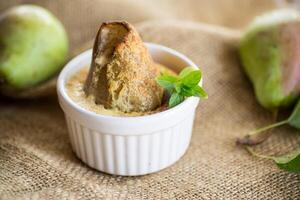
(253, 153)
(255, 137)
(257, 131)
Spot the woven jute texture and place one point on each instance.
(36, 160)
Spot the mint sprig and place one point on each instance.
(186, 84)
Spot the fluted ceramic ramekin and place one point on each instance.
(129, 146)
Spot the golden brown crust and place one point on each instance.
(122, 72)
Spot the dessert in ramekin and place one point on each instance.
(129, 145)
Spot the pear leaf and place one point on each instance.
(289, 162)
(294, 119)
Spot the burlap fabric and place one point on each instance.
(36, 161)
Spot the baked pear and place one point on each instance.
(122, 73)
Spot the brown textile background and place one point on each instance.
(36, 161)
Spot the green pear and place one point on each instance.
(33, 47)
(270, 54)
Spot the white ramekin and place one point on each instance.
(129, 146)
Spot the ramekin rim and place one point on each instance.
(61, 90)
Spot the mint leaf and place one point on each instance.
(186, 91)
(192, 78)
(186, 71)
(178, 87)
(167, 82)
(184, 85)
(175, 99)
(289, 162)
(199, 92)
(196, 91)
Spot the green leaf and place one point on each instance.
(184, 85)
(294, 119)
(175, 99)
(178, 87)
(196, 91)
(289, 162)
(186, 91)
(199, 92)
(192, 79)
(186, 71)
(167, 81)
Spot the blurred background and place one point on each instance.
(82, 18)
